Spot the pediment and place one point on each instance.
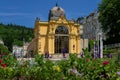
(62, 20)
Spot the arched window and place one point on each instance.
(61, 39)
(61, 30)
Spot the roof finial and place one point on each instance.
(56, 4)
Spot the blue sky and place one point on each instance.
(24, 12)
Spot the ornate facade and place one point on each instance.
(56, 34)
(91, 26)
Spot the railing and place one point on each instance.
(116, 45)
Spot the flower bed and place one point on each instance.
(72, 69)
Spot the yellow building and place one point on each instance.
(57, 34)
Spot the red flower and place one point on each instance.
(5, 53)
(105, 62)
(0, 60)
(87, 59)
(3, 65)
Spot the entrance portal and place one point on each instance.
(61, 39)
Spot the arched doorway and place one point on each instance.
(61, 39)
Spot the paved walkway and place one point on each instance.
(54, 57)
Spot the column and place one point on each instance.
(78, 46)
(51, 44)
(70, 44)
(101, 47)
(39, 46)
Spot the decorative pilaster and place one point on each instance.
(51, 44)
(78, 46)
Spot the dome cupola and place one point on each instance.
(56, 12)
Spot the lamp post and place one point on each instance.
(100, 45)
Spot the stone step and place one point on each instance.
(59, 56)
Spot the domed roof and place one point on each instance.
(56, 12)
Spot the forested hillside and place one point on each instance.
(15, 35)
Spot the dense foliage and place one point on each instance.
(110, 19)
(3, 49)
(15, 34)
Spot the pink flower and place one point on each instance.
(105, 62)
(3, 65)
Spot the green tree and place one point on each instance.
(110, 20)
(3, 49)
(15, 34)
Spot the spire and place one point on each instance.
(37, 19)
(56, 4)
